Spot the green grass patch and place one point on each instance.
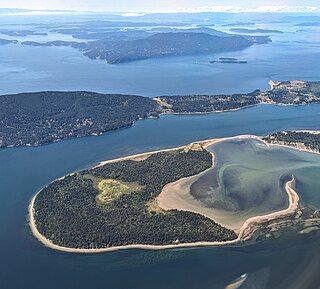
(111, 190)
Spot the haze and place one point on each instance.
(168, 5)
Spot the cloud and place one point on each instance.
(262, 9)
(132, 14)
(281, 8)
(229, 8)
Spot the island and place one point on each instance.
(114, 204)
(250, 31)
(309, 24)
(229, 60)
(123, 203)
(131, 45)
(22, 33)
(239, 24)
(6, 41)
(38, 118)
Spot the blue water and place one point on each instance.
(290, 56)
(285, 263)
(25, 263)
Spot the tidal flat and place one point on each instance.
(246, 180)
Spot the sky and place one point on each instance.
(140, 6)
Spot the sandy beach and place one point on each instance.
(250, 224)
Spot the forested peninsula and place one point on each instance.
(38, 118)
(303, 140)
(31, 119)
(115, 204)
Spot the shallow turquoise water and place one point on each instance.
(248, 179)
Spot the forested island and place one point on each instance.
(37, 118)
(114, 204)
(229, 60)
(120, 47)
(252, 31)
(120, 42)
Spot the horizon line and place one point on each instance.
(260, 10)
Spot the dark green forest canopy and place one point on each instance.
(37, 118)
(208, 103)
(282, 92)
(68, 213)
(310, 140)
(42, 117)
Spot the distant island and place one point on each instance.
(116, 205)
(309, 24)
(38, 118)
(239, 24)
(5, 41)
(245, 30)
(229, 60)
(142, 45)
(20, 33)
(118, 42)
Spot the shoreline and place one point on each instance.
(161, 113)
(251, 222)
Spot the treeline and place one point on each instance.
(209, 103)
(43, 117)
(288, 93)
(308, 139)
(67, 212)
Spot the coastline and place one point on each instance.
(27, 145)
(248, 227)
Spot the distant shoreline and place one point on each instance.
(249, 225)
(140, 107)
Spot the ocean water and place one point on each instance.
(289, 262)
(25, 263)
(291, 55)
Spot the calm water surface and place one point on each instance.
(290, 56)
(25, 263)
(288, 262)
